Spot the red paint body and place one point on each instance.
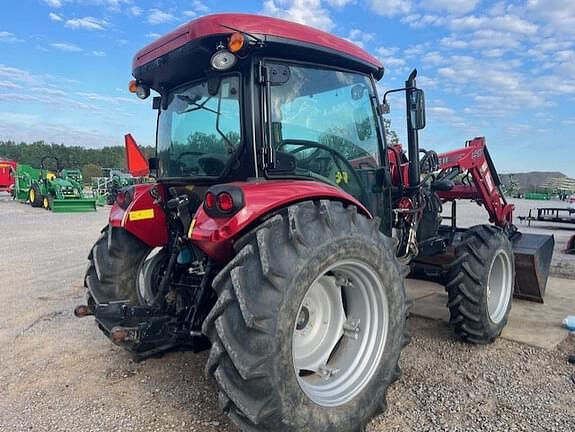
(154, 231)
(211, 25)
(7, 170)
(215, 236)
(473, 158)
(398, 165)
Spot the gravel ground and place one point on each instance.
(59, 373)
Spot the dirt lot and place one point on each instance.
(59, 373)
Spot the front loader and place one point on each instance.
(282, 225)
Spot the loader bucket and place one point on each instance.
(73, 205)
(533, 253)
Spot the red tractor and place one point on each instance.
(282, 226)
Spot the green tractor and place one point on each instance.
(59, 190)
(106, 188)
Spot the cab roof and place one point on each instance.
(272, 31)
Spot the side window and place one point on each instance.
(326, 120)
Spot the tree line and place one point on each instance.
(89, 160)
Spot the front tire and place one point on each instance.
(480, 284)
(260, 359)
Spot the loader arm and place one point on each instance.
(474, 158)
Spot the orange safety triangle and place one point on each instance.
(135, 159)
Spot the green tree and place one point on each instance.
(390, 134)
(91, 170)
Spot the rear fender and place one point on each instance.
(215, 236)
(144, 218)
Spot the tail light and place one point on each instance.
(210, 200)
(223, 201)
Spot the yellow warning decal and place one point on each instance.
(141, 214)
(192, 225)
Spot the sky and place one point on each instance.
(500, 69)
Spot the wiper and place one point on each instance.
(193, 101)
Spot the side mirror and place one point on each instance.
(153, 163)
(417, 109)
(385, 108)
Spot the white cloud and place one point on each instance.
(339, 3)
(360, 37)
(157, 16)
(48, 91)
(508, 23)
(54, 3)
(16, 74)
(86, 23)
(8, 37)
(387, 51)
(309, 12)
(67, 47)
(9, 85)
(450, 6)
(99, 53)
(117, 100)
(200, 7)
(153, 35)
(389, 7)
(442, 111)
(434, 58)
(55, 17)
(559, 14)
(419, 21)
(135, 11)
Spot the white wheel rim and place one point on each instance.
(340, 333)
(146, 289)
(499, 286)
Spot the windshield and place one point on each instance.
(199, 132)
(326, 120)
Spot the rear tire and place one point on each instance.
(261, 294)
(480, 284)
(114, 263)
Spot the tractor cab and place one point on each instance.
(244, 97)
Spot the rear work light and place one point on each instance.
(223, 201)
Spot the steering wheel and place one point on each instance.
(306, 144)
